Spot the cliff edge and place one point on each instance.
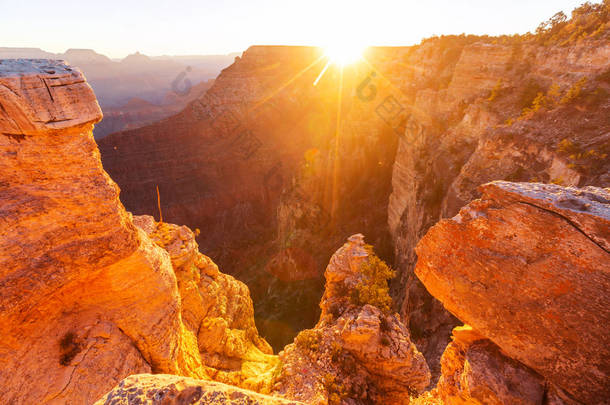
(88, 297)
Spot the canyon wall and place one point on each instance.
(252, 165)
(276, 164)
(87, 296)
(479, 120)
(92, 294)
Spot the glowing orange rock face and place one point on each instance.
(527, 266)
(87, 298)
(358, 351)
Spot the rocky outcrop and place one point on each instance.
(478, 121)
(359, 352)
(255, 163)
(475, 371)
(77, 276)
(527, 267)
(216, 311)
(147, 389)
(88, 298)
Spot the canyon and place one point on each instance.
(476, 166)
(277, 172)
(136, 90)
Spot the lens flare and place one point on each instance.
(343, 53)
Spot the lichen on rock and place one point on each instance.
(176, 390)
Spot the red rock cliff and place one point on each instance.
(252, 165)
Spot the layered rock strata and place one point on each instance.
(88, 298)
(483, 110)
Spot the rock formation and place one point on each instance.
(175, 390)
(528, 267)
(216, 311)
(88, 298)
(475, 371)
(475, 119)
(252, 163)
(420, 126)
(359, 352)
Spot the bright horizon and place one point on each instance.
(118, 28)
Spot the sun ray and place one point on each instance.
(315, 83)
(335, 186)
(283, 86)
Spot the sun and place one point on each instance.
(343, 53)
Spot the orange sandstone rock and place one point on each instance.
(217, 311)
(87, 298)
(357, 354)
(528, 267)
(474, 371)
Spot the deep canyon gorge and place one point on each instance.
(261, 166)
(476, 167)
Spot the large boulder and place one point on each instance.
(528, 267)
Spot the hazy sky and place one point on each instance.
(119, 27)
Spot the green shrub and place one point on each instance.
(587, 21)
(495, 91)
(538, 102)
(308, 339)
(529, 92)
(373, 288)
(574, 91)
(336, 391)
(568, 147)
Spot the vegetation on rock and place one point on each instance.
(373, 288)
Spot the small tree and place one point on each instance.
(373, 288)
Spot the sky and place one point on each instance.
(117, 28)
